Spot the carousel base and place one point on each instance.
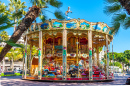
(79, 80)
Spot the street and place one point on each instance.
(17, 81)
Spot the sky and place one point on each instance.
(92, 11)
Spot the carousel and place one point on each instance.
(67, 50)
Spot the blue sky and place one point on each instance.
(90, 10)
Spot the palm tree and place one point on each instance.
(121, 11)
(31, 15)
(4, 20)
(126, 5)
(16, 6)
(4, 37)
(14, 55)
(3, 59)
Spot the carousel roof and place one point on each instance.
(75, 26)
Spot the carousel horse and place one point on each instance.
(68, 11)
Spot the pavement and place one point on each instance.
(17, 81)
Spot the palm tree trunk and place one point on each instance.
(26, 22)
(3, 69)
(123, 66)
(15, 25)
(128, 68)
(0, 66)
(126, 5)
(12, 64)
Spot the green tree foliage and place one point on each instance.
(127, 54)
(120, 59)
(4, 36)
(15, 54)
(16, 7)
(1, 49)
(34, 51)
(45, 4)
(118, 64)
(6, 22)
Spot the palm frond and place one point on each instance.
(2, 7)
(3, 27)
(59, 15)
(119, 17)
(55, 3)
(19, 13)
(111, 1)
(43, 18)
(115, 27)
(4, 19)
(10, 42)
(127, 23)
(112, 8)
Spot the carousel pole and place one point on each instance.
(113, 58)
(77, 51)
(44, 47)
(65, 46)
(97, 56)
(25, 58)
(107, 57)
(30, 59)
(90, 52)
(40, 56)
(53, 46)
(23, 73)
(79, 57)
(64, 51)
(105, 49)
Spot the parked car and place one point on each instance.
(119, 74)
(0, 71)
(128, 81)
(18, 71)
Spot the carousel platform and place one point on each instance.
(70, 80)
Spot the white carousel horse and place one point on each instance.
(68, 11)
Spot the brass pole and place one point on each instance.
(77, 51)
(40, 56)
(97, 56)
(25, 58)
(90, 52)
(107, 57)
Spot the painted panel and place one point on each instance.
(57, 25)
(110, 32)
(32, 28)
(71, 25)
(59, 47)
(36, 27)
(105, 29)
(84, 25)
(45, 26)
(97, 27)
